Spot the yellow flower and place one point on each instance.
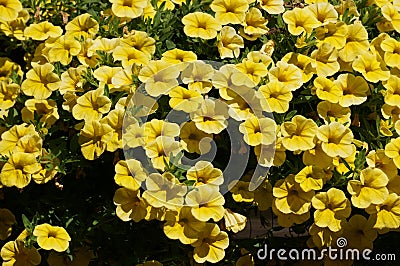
(206, 202)
(325, 60)
(331, 112)
(104, 75)
(82, 25)
(122, 80)
(324, 12)
(85, 57)
(355, 89)
(254, 24)
(290, 198)
(371, 67)
(15, 253)
(317, 157)
(139, 40)
(156, 128)
(7, 67)
(391, 14)
(9, 10)
(185, 100)
(204, 173)
(115, 120)
(290, 219)
(356, 42)
(197, 75)
(287, 74)
(16, 27)
(359, 232)
(194, 140)
(130, 206)
(7, 220)
(229, 43)
(211, 117)
(230, 81)
(385, 128)
(183, 226)
(211, 244)
(303, 62)
(91, 105)
(370, 189)
(333, 33)
(272, 6)
(332, 207)
(52, 237)
(325, 89)
(299, 133)
(129, 174)
(63, 49)
(310, 178)
(46, 109)
(176, 56)
(258, 131)
(93, 139)
(128, 8)
(391, 48)
(42, 30)
(12, 137)
(8, 94)
(277, 96)
(234, 222)
(18, 170)
(159, 77)
(104, 45)
(300, 20)
(72, 80)
(323, 236)
(336, 140)
(160, 149)
(229, 12)
(164, 191)
(40, 81)
(387, 214)
(201, 25)
(240, 191)
(392, 92)
(255, 71)
(378, 159)
(130, 55)
(392, 150)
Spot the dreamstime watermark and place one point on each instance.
(213, 97)
(339, 253)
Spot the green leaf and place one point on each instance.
(26, 222)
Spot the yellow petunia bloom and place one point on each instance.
(183, 225)
(93, 139)
(289, 198)
(130, 206)
(185, 100)
(63, 49)
(317, 157)
(391, 48)
(322, 236)
(387, 214)
(326, 90)
(234, 222)
(356, 42)
(391, 14)
(254, 71)
(310, 178)
(392, 150)
(52, 237)
(115, 120)
(299, 133)
(229, 12)
(287, 74)
(85, 57)
(206, 202)
(9, 10)
(392, 92)
(303, 62)
(336, 140)
(139, 40)
(198, 76)
(254, 25)
(40, 81)
(164, 191)
(18, 170)
(123, 81)
(333, 33)
(160, 149)
(82, 26)
(211, 244)
(104, 45)
(194, 140)
(16, 27)
(277, 96)
(128, 8)
(201, 25)
(176, 56)
(12, 137)
(240, 191)
(45, 109)
(370, 189)
(7, 67)
(72, 80)
(378, 159)
(130, 55)
(104, 75)
(371, 67)
(8, 94)
(331, 112)
(229, 43)
(157, 128)
(272, 6)
(332, 207)
(359, 232)
(15, 253)
(355, 89)
(91, 105)
(42, 30)
(203, 172)
(325, 60)
(129, 174)
(258, 131)
(211, 117)
(300, 20)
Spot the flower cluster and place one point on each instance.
(311, 88)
